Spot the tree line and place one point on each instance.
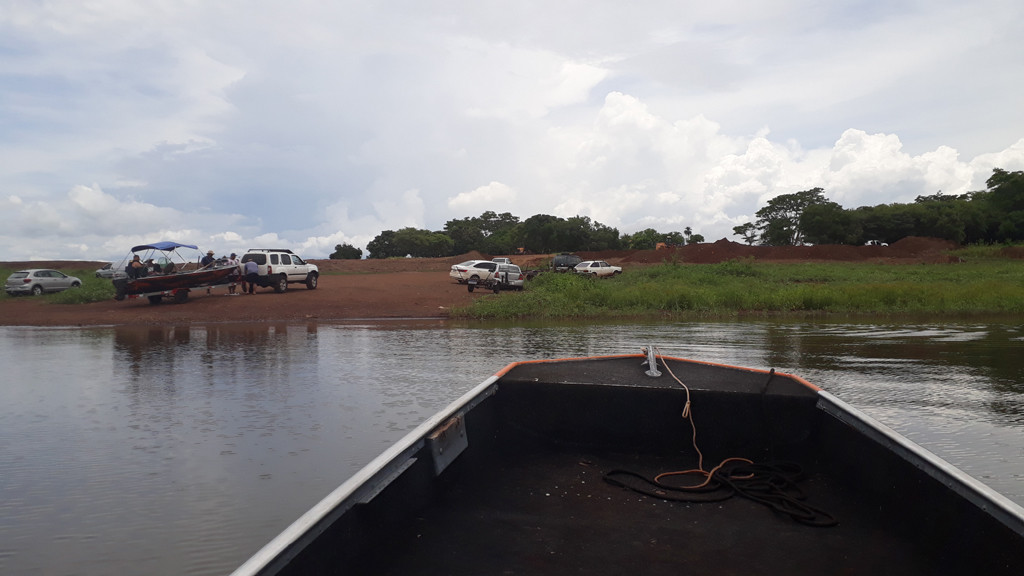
(990, 216)
(493, 233)
(993, 215)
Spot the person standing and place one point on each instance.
(233, 261)
(252, 274)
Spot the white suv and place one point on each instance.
(279, 267)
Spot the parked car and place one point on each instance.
(39, 280)
(564, 262)
(279, 267)
(105, 272)
(502, 260)
(510, 277)
(481, 270)
(598, 268)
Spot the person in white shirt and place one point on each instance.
(233, 261)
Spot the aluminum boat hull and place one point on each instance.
(514, 478)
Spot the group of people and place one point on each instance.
(248, 270)
(139, 269)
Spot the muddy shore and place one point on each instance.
(420, 294)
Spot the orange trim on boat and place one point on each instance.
(509, 367)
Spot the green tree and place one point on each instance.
(885, 222)
(490, 232)
(1007, 189)
(677, 239)
(981, 218)
(993, 215)
(829, 223)
(747, 231)
(539, 233)
(382, 245)
(575, 234)
(466, 234)
(346, 252)
(410, 242)
(645, 239)
(940, 216)
(604, 237)
(779, 221)
(1011, 227)
(1006, 197)
(499, 232)
(422, 243)
(492, 223)
(504, 241)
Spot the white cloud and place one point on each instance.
(234, 124)
(494, 196)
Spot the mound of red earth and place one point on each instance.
(908, 249)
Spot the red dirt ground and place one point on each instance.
(405, 287)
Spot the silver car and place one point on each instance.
(598, 268)
(39, 280)
(510, 277)
(105, 272)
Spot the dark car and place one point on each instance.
(565, 262)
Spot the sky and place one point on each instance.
(236, 124)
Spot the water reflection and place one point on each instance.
(181, 449)
(938, 367)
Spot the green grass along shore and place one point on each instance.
(980, 283)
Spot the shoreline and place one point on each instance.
(337, 298)
(410, 288)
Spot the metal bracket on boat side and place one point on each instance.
(651, 362)
(447, 442)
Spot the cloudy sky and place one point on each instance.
(305, 124)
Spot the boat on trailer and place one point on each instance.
(173, 276)
(655, 465)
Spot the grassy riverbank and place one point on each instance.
(93, 289)
(978, 284)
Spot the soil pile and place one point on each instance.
(908, 249)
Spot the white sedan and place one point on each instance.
(598, 268)
(480, 270)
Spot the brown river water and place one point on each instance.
(183, 449)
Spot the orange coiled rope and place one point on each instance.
(771, 484)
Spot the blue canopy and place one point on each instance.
(163, 246)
